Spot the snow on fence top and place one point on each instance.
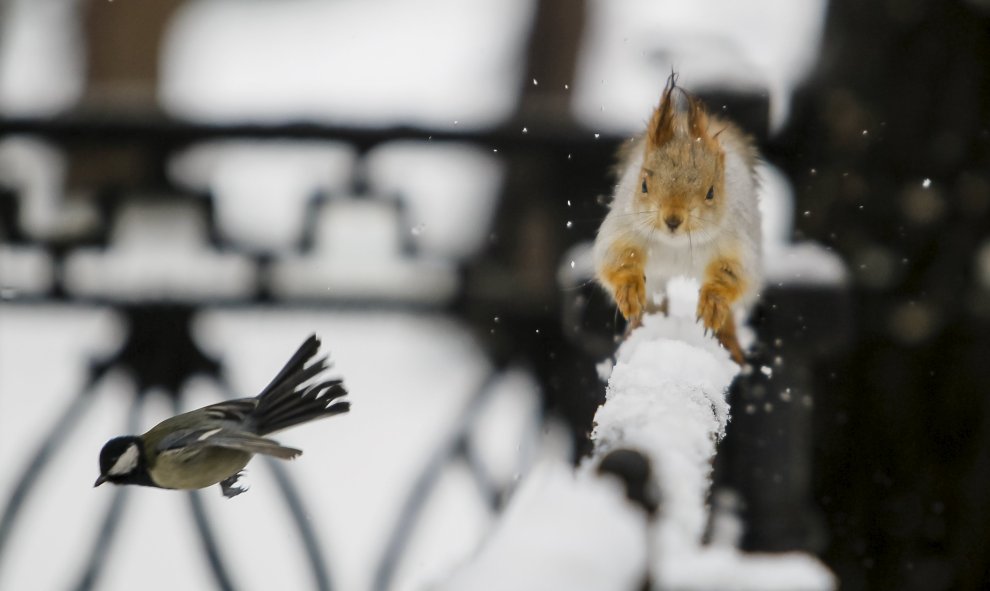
(562, 530)
(666, 398)
(576, 530)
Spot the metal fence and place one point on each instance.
(558, 331)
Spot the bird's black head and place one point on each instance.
(122, 461)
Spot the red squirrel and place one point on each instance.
(685, 205)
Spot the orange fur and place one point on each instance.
(661, 127)
(623, 274)
(723, 284)
(681, 142)
(685, 204)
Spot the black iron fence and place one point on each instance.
(553, 196)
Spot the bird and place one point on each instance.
(212, 445)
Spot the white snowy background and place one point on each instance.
(438, 63)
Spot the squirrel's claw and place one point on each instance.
(715, 314)
(713, 309)
(630, 296)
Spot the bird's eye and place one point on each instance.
(711, 193)
(644, 185)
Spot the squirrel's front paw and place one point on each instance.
(630, 296)
(713, 308)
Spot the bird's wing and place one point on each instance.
(235, 411)
(192, 441)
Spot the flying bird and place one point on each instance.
(211, 445)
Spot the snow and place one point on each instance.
(43, 361)
(437, 200)
(786, 262)
(351, 63)
(573, 529)
(450, 191)
(36, 172)
(260, 189)
(41, 57)
(444, 63)
(666, 397)
(24, 270)
(410, 377)
(358, 254)
(727, 569)
(379, 63)
(576, 266)
(631, 46)
(562, 530)
(159, 252)
(499, 422)
(804, 263)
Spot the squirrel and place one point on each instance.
(685, 205)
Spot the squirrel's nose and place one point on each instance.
(673, 221)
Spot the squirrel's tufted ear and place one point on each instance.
(697, 118)
(661, 127)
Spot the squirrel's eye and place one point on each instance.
(711, 193)
(644, 185)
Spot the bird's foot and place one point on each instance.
(229, 486)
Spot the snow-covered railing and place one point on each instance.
(666, 398)
(580, 529)
(667, 401)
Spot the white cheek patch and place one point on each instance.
(126, 463)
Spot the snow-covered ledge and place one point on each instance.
(666, 398)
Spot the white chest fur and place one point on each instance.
(737, 236)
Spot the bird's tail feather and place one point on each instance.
(313, 403)
(306, 351)
(284, 403)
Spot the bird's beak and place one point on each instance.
(100, 480)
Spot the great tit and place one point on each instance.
(212, 444)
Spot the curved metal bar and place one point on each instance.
(205, 529)
(209, 540)
(423, 486)
(98, 555)
(50, 444)
(482, 478)
(101, 546)
(310, 541)
(290, 492)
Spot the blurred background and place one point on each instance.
(189, 188)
